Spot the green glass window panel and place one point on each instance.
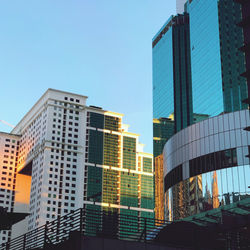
(129, 189)
(158, 147)
(93, 207)
(101, 221)
(111, 143)
(147, 192)
(128, 212)
(93, 227)
(147, 164)
(111, 123)
(163, 129)
(129, 201)
(110, 179)
(94, 184)
(147, 203)
(110, 222)
(147, 215)
(200, 117)
(96, 120)
(130, 227)
(129, 153)
(95, 154)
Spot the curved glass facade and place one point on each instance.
(207, 191)
(207, 165)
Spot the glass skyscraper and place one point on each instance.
(197, 65)
(205, 164)
(172, 89)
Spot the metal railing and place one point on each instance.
(89, 223)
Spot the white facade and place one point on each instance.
(52, 144)
(180, 6)
(8, 154)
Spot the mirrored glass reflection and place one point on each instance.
(207, 191)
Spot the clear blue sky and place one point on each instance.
(97, 48)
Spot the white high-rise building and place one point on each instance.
(8, 155)
(52, 153)
(59, 147)
(180, 6)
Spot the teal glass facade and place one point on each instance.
(183, 108)
(163, 89)
(232, 60)
(172, 86)
(216, 86)
(197, 66)
(216, 62)
(172, 83)
(205, 57)
(163, 129)
(245, 48)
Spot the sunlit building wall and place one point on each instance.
(159, 188)
(119, 175)
(21, 203)
(9, 145)
(71, 156)
(52, 152)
